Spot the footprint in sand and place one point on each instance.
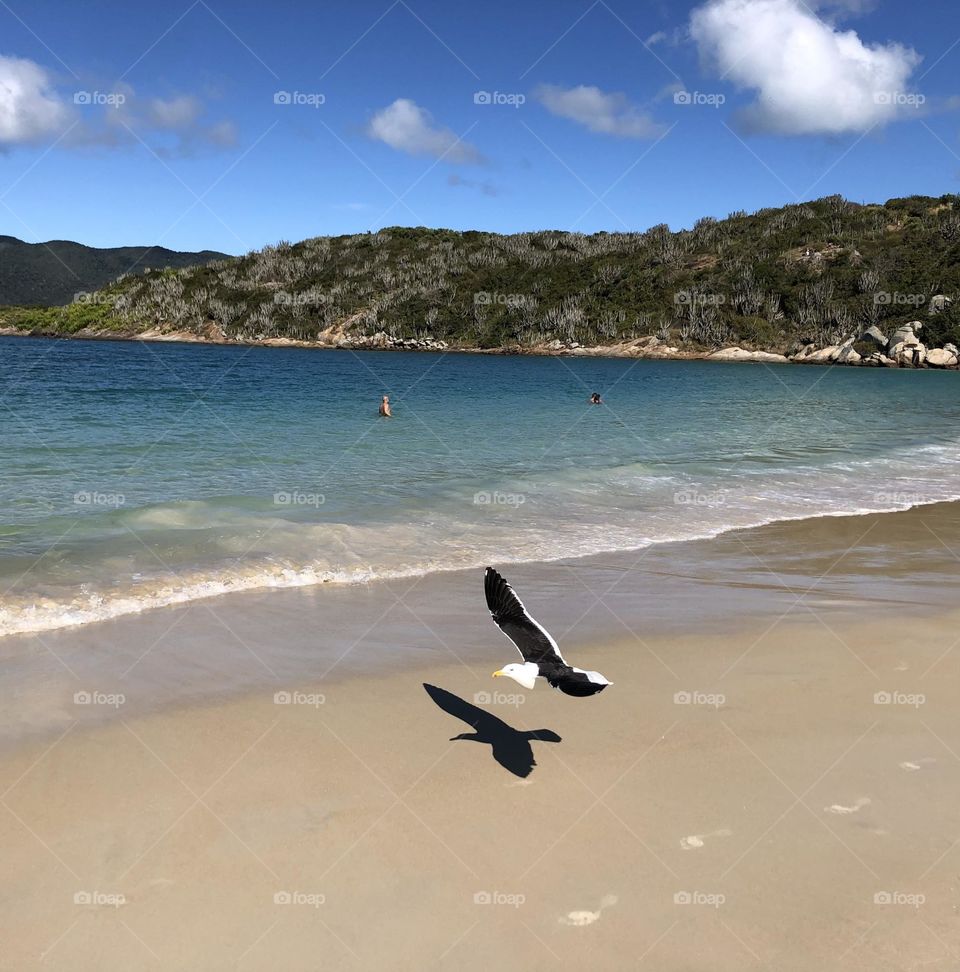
(919, 764)
(580, 918)
(694, 841)
(842, 810)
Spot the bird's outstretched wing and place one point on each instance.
(532, 640)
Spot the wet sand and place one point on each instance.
(771, 782)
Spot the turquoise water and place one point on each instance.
(137, 475)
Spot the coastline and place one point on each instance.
(645, 349)
(847, 569)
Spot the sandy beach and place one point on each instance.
(769, 783)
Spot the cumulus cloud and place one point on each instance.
(174, 113)
(407, 127)
(810, 77)
(34, 110)
(609, 113)
(30, 108)
(175, 127)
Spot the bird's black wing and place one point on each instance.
(570, 681)
(532, 640)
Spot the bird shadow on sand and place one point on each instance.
(510, 747)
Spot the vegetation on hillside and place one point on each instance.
(815, 272)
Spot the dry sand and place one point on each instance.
(737, 800)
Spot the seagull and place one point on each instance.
(540, 653)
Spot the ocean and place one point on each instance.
(138, 475)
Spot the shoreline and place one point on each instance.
(309, 579)
(851, 567)
(640, 349)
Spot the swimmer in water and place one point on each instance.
(385, 407)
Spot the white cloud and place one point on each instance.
(407, 127)
(30, 108)
(175, 113)
(33, 110)
(173, 127)
(810, 77)
(608, 113)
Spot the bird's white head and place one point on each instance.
(526, 674)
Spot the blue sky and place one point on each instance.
(229, 126)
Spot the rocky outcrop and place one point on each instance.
(906, 348)
(876, 337)
(382, 341)
(941, 358)
(739, 354)
(878, 360)
(823, 356)
(904, 336)
(848, 356)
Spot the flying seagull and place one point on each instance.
(541, 654)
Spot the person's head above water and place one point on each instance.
(595, 398)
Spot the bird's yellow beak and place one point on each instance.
(496, 674)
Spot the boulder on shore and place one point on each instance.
(823, 356)
(875, 336)
(941, 358)
(848, 356)
(910, 356)
(741, 354)
(906, 334)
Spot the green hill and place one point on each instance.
(52, 273)
(812, 273)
